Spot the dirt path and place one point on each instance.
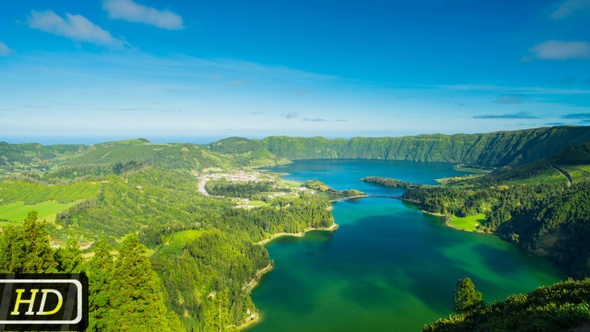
(201, 186)
(564, 173)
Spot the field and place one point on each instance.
(179, 239)
(548, 175)
(468, 223)
(18, 211)
(578, 173)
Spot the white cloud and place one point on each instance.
(561, 50)
(4, 50)
(128, 10)
(570, 7)
(76, 27)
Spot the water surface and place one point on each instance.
(389, 267)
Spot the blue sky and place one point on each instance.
(168, 70)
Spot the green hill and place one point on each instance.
(26, 157)
(170, 156)
(491, 149)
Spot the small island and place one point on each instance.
(390, 183)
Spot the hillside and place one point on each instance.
(491, 149)
(171, 156)
(26, 157)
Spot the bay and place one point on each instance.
(388, 267)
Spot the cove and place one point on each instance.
(388, 267)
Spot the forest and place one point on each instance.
(133, 206)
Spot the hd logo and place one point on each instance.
(43, 302)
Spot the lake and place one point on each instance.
(388, 267)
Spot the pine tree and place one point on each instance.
(27, 249)
(467, 298)
(135, 295)
(69, 259)
(11, 250)
(100, 271)
(217, 315)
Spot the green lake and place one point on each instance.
(388, 267)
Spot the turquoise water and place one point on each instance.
(388, 267)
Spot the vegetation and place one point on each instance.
(249, 189)
(390, 183)
(493, 149)
(189, 259)
(34, 193)
(16, 158)
(557, 307)
(549, 220)
(467, 298)
(471, 223)
(26, 249)
(47, 210)
(329, 192)
(124, 296)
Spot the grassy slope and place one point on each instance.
(32, 193)
(468, 223)
(47, 210)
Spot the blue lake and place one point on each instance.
(388, 267)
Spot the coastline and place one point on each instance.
(255, 317)
(300, 234)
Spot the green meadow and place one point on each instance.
(578, 173)
(179, 239)
(468, 223)
(18, 211)
(549, 175)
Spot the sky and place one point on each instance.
(90, 71)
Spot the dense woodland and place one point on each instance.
(192, 259)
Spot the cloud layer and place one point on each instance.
(561, 50)
(579, 116)
(569, 8)
(4, 50)
(510, 99)
(519, 115)
(128, 10)
(75, 27)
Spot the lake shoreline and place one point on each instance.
(255, 317)
(299, 234)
